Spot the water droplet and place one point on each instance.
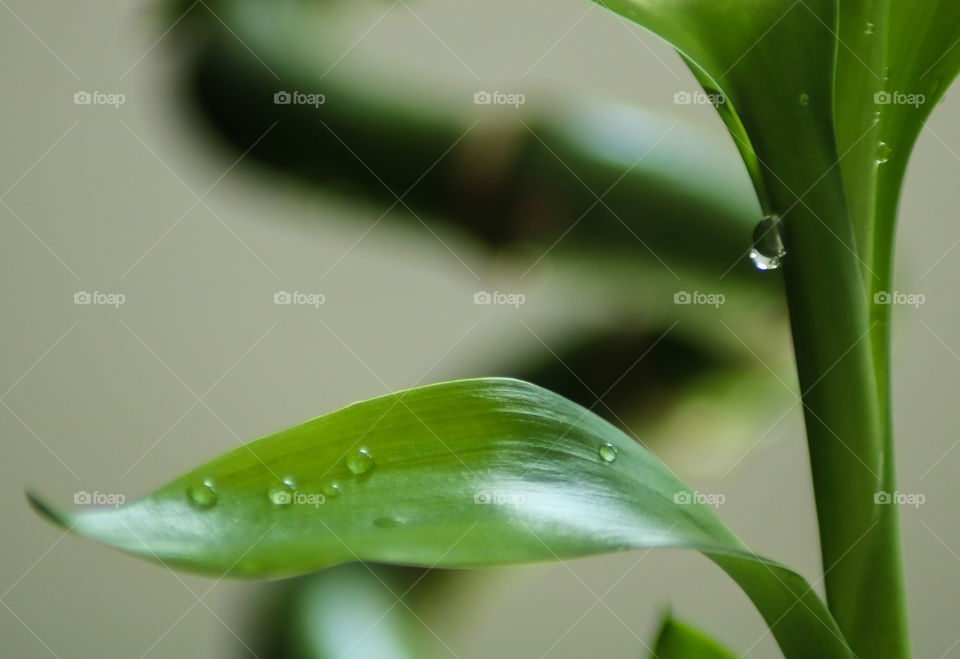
(804, 98)
(360, 462)
(202, 495)
(282, 495)
(331, 489)
(387, 522)
(883, 152)
(608, 452)
(876, 117)
(768, 250)
(871, 28)
(886, 73)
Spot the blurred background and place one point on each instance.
(440, 190)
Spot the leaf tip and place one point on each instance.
(45, 510)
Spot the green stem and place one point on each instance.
(847, 413)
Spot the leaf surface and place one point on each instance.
(470, 473)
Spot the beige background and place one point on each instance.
(101, 399)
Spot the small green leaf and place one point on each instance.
(463, 474)
(677, 640)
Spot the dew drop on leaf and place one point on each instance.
(871, 28)
(360, 462)
(768, 251)
(608, 452)
(883, 153)
(331, 488)
(202, 495)
(804, 98)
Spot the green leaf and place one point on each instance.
(678, 640)
(463, 474)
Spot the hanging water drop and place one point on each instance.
(360, 462)
(202, 495)
(768, 250)
(331, 489)
(804, 99)
(871, 28)
(883, 153)
(608, 452)
(282, 495)
(886, 73)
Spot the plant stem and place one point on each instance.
(845, 389)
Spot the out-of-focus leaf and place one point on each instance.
(351, 610)
(463, 474)
(670, 194)
(678, 640)
(700, 407)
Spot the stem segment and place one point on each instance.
(847, 414)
